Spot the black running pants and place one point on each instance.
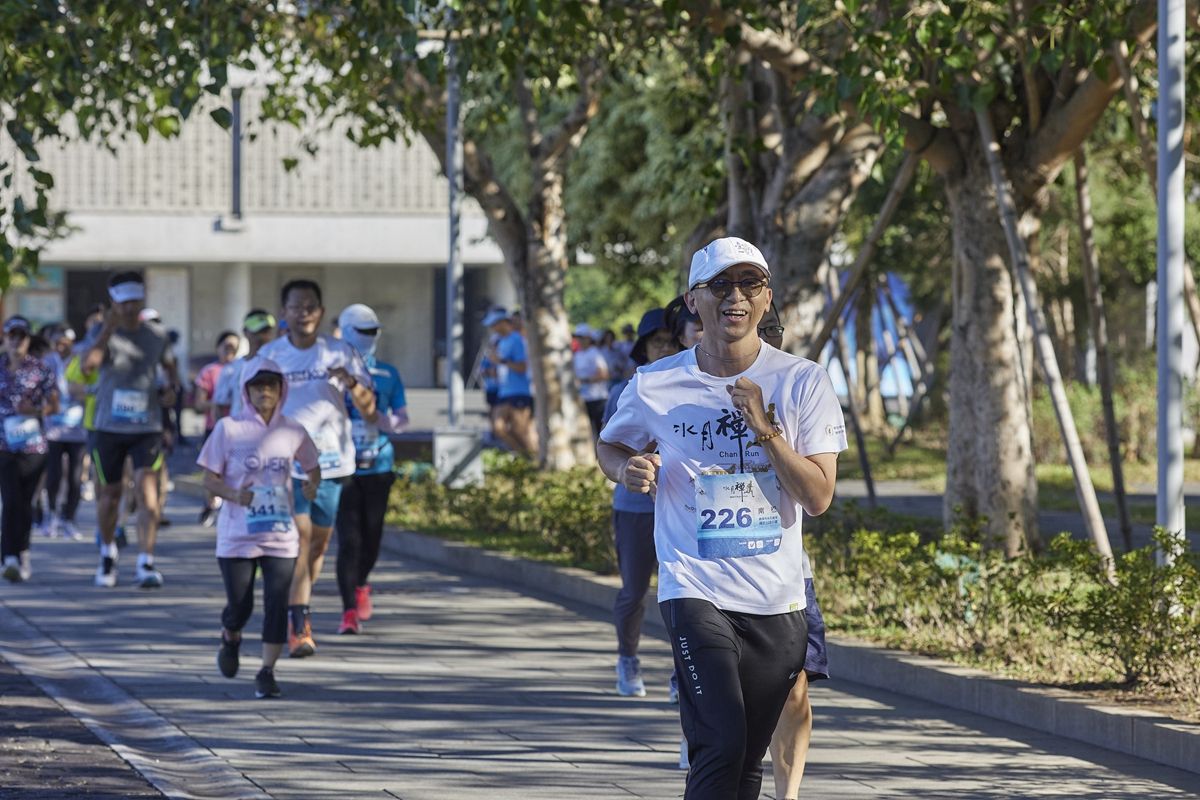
(238, 574)
(735, 673)
(73, 451)
(19, 477)
(360, 531)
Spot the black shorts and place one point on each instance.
(109, 451)
(493, 397)
(516, 401)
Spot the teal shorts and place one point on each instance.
(323, 509)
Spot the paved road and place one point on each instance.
(458, 687)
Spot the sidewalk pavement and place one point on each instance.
(457, 686)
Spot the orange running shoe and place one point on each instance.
(301, 645)
(362, 598)
(350, 623)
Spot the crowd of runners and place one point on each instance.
(718, 442)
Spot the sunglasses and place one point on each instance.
(368, 331)
(721, 288)
(16, 333)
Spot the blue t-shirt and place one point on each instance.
(623, 499)
(513, 383)
(373, 451)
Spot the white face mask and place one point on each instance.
(365, 345)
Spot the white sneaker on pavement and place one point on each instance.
(26, 566)
(629, 677)
(147, 576)
(69, 531)
(106, 572)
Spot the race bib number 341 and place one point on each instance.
(737, 515)
(270, 511)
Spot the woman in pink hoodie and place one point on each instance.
(247, 462)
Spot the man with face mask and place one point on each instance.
(365, 496)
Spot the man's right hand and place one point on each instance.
(640, 474)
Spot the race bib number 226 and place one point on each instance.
(737, 516)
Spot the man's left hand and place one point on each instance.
(746, 396)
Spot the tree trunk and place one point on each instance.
(1085, 492)
(1104, 369)
(868, 356)
(989, 459)
(564, 432)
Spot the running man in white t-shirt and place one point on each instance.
(737, 441)
(318, 370)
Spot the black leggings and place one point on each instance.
(360, 531)
(54, 475)
(636, 560)
(238, 574)
(595, 412)
(19, 477)
(735, 673)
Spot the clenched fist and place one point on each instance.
(640, 474)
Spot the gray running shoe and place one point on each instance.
(12, 569)
(629, 677)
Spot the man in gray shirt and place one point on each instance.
(129, 401)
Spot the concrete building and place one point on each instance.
(368, 224)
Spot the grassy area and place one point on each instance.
(924, 462)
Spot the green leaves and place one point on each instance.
(222, 116)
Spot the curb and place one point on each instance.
(1143, 734)
(1056, 711)
(173, 762)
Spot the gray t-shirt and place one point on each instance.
(127, 392)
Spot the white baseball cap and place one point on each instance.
(721, 254)
(358, 317)
(583, 331)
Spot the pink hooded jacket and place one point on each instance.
(249, 453)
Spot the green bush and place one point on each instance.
(1145, 627)
(518, 507)
(1053, 617)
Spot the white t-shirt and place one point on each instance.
(724, 529)
(317, 401)
(588, 364)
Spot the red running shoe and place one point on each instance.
(350, 623)
(362, 599)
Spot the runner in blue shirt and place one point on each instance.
(513, 423)
(365, 496)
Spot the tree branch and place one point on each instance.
(565, 135)
(1068, 125)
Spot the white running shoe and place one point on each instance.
(106, 572)
(26, 568)
(629, 677)
(87, 491)
(147, 576)
(69, 531)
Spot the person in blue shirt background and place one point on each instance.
(365, 497)
(633, 527)
(513, 423)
